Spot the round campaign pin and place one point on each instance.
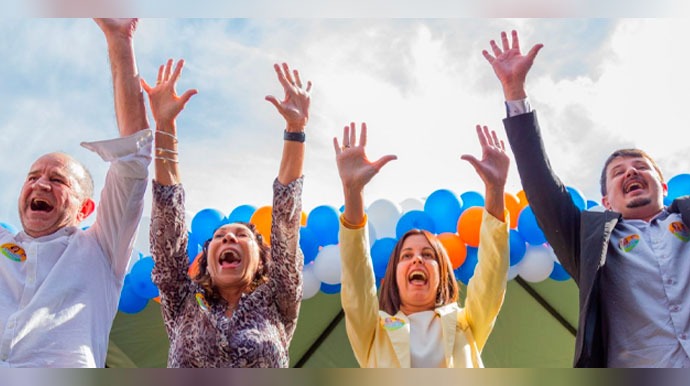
(13, 252)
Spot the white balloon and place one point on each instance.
(310, 283)
(142, 243)
(384, 214)
(372, 234)
(409, 204)
(512, 272)
(537, 264)
(327, 264)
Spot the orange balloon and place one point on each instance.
(513, 205)
(455, 247)
(157, 299)
(468, 225)
(303, 219)
(523, 199)
(262, 220)
(194, 267)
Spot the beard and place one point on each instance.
(638, 202)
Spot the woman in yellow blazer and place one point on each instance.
(417, 322)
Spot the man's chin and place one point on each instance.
(639, 202)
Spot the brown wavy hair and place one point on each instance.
(626, 153)
(203, 278)
(447, 291)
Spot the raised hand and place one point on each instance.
(295, 106)
(165, 103)
(510, 65)
(354, 167)
(493, 167)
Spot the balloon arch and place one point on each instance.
(456, 220)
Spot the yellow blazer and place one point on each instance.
(382, 340)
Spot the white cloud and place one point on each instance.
(421, 85)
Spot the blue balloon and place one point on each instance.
(205, 222)
(518, 247)
(130, 302)
(578, 198)
(342, 209)
(415, 219)
(242, 213)
(140, 278)
(324, 222)
(330, 289)
(193, 247)
(380, 255)
(308, 244)
(465, 272)
(444, 208)
(9, 227)
(470, 199)
(678, 186)
(592, 204)
(558, 273)
(528, 227)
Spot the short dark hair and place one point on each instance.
(626, 153)
(447, 292)
(203, 278)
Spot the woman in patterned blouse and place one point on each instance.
(240, 310)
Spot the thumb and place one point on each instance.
(145, 85)
(381, 162)
(187, 95)
(274, 101)
(471, 159)
(534, 51)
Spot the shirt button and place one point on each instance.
(683, 336)
(675, 308)
(669, 281)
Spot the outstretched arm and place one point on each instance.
(129, 100)
(295, 109)
(493, 170)
(510, 65)
(165, 106)
(356, 170)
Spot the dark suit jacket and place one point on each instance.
(579, 239)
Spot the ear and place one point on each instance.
(87, 207)
(606, 203)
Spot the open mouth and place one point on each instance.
(229, 259)
(41, 205)
(633, 186)
(417, 277)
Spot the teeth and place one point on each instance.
(230, 256)
(417, 275)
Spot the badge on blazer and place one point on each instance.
(392, 323)
(13, 252)
(680, 230)
(201, 301)
(629, 243)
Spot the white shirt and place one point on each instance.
(57, 305)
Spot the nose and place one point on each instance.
(417, 259)
(229, 238)
(42, 183)
(631, 171)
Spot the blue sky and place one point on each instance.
(421, 85)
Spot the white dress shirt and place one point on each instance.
(59, 299)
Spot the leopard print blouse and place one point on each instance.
(260, 330)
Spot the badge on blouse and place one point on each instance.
(392, 323)
(680, 230)
(13, 252)
(629, 243)
(201, 301)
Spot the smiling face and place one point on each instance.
(417, 275)
(52, 196)
(233, 257)
(634, 188)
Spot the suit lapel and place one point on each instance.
(398, 329)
